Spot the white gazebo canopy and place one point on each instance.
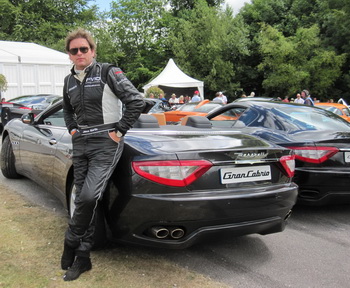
(172, 76)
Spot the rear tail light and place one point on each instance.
(172, 173)
(314, 154)
(288, 163)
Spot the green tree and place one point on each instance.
(205, 42)
(43, 22)
(139, 29)
(179, 5)
(293, 63)
(3, 83)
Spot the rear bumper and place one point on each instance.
(202, 216)
(323, 187)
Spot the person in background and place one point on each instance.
(224, 98)
(218, 98)
(97, 114)
(187, 99)
(196, 97)
(305, 94)
(161, 97)
(285, 99)
(151, 95)
(173, 100)
(181, 99)
(299, 99)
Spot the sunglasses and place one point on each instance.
(74, 51)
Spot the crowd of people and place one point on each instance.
(219, 97)
(304, 97)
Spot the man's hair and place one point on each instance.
(80, 33)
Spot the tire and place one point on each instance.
(100, 237)
(8, 160)
(5, 115)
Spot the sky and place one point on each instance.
(235, 4)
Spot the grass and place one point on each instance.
(31, 240)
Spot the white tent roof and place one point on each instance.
(30, 53)
(172, 76)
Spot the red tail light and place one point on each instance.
(288, 163)
(314, 154)
(172, 173)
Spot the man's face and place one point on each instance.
(303, 94)
(84, 54)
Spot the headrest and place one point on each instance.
(196, 121)
(146, 121)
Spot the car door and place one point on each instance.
(38, 149)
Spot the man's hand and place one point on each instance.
(114, 136)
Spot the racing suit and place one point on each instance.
(95, 107)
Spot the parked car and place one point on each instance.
(258, 98)
(196, 108)
(18, 106)
(175, 185)
(337, 108)
(159, 106)
(320, 139)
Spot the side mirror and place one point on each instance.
(28, 118)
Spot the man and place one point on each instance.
(196, 97)
(93, 114)
(224, 98)
(218, 98)
(307, 98)
(299, 100)
(173, 100)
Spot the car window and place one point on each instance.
(346, 111)
(293, 119)
(55, 119)
(35, 101)
(187, 107)
(206, 108)
(332, 109)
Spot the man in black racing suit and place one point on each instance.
(100, 104)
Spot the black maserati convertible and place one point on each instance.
(319, 138)
(174, 185)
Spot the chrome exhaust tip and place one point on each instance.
(159, 232)
(177, 233)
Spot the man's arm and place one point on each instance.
(130, 97)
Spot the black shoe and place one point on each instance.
(68, 257)
(80, 265)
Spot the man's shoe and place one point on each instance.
(80, 265)
(68, 257)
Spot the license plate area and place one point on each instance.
(245, 174)
(347, 157)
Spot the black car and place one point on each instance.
(320, 139)
(21, 105)
(174, 185)
(159, 106)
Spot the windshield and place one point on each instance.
(35, 101)
(206, 108)
(294, 119)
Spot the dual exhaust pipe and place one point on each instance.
(161, 232)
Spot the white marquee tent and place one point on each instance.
(172, 76)
(30, 68)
